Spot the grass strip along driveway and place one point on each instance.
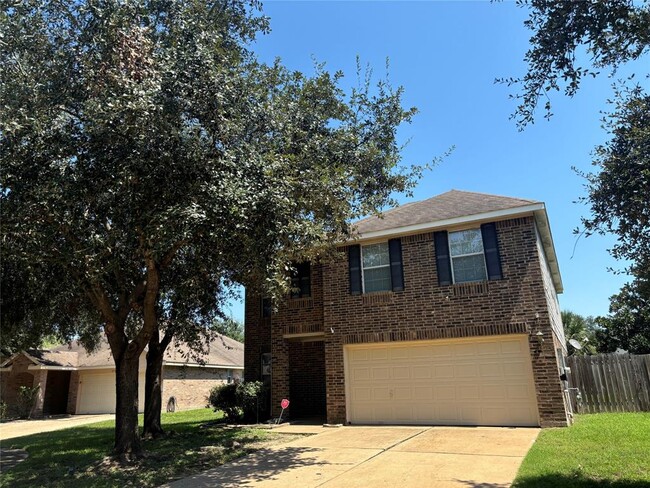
(599, 450)
(78, 457)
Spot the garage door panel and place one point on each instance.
(462, 371)
(402, 394)
(399, 353)
(489, 349)
(422, 393)
(380, 393)
(443, 393)
(480, 381)
(421, 372)
(401, 373)
(379, 354)
(514, 347)
(467, 349)
(362, 394)
(97, 392)
(468, 393)
(519, 392)
(444, 371)
(491, 370)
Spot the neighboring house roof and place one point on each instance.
(457, 207)
(222, 352)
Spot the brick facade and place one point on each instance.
(11, 381)
(191, 385)
(516, 304)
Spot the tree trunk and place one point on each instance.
(153, 389)
(127, 438)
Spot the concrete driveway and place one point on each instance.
(19, 428)
(403, 457)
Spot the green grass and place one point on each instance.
(79, 456)
(599, 450)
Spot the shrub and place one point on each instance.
(4, 408)
(238, 401)
(26, 400)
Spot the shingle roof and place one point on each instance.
(449, 205)
(222, 351)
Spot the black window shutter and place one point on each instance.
(443, 260)
(354, 263)
(396, 270)
(491, 249)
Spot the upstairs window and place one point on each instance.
(301, 281)
(467, 256)
(376, 267)
(267, 308)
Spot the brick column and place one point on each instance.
(548, 386)
(335, 381)
(73, 392)
(279, 371)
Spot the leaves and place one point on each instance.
(142, 144)
(599, 34)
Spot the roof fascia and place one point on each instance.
(544, 229)
(10, 359)
(439, 224)
(14, 356)
(54, 368)
(196, 365)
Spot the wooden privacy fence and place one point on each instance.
(609, 383)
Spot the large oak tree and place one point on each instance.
(571, 41)
(148, 162)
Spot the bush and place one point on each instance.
(4, 408)
(26, 400)
(237, 401)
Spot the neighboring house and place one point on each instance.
(443, 311)
(75, 382)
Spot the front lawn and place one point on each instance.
(599, 450)
(77, 457)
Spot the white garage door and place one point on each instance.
(477, 381)
(97, 392)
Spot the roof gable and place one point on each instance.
(450, 205)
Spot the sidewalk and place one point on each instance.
(19, 428)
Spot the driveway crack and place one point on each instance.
(381, 451)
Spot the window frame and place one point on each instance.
(298, 279)
(363, 268)
(452, 257)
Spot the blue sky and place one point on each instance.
(447, 55)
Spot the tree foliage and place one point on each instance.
(618, 194)
(149, 162)
(628, 325)
(581, 329)
(230, 328)
(573, 40)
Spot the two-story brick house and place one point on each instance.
(444, 311)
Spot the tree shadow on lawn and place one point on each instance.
(81, 455)
(298, 463)
(575, 481)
